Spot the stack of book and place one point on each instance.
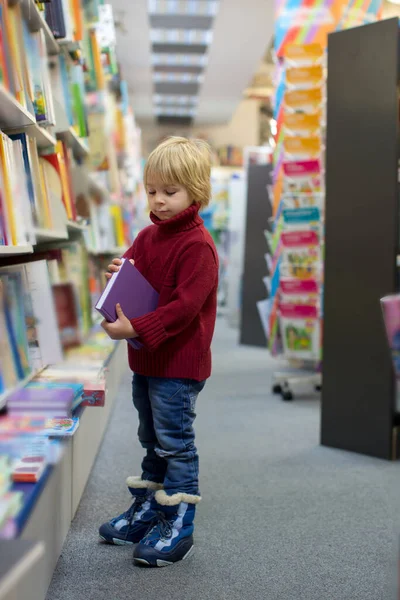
(46, 400)
(10, 502)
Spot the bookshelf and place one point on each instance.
(49, 235)
(22, 565)
(43, 137)
(73, 141)
(76, 227)
(57, 224)
(12, 114)
(15, 250)
(36, 22)
(362, 204)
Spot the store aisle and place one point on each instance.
(282, 518)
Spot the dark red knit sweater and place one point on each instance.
(179, 259)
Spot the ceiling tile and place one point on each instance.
(178, 69)
(181, 22)
(182, 89)
(179, 48)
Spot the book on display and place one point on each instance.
(132, 291)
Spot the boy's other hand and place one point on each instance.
(115, 266)
(121, 329)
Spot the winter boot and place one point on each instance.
(131, 526)
(171, 538)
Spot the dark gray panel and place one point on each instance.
(361, 237)
(179, 48)
(178, 69)
(257, 220)
(181, 89)
(184, 121)
(181, 22)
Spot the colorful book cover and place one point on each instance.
(67, 314)
(7, 191)
(17, 306)
(55, 160)
(22, 138)
(3, 223)
(35, 66)
(16, 48)
(67, 154)
(5, 34)
(132, 291)
(300, 329)
(11, 334)
(61, 427)
(4, 75)
(33, 159)
(9, 372)
(66, 83)
(29, 469)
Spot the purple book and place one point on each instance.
(50, 402)
(132, 291)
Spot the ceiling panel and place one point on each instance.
(177, 69)
(179, 48)
(239, 40)
(180, 22)
(182, 89)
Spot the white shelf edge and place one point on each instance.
(42, 136)
(71, 138)
(110, 251)
(72, 226)
(50, 234)
(15, 250)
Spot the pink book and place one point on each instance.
(132, 291)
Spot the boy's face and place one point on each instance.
(167, 201)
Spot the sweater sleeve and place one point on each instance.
(197, 274)
(130, 253)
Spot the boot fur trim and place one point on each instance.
(165, 500)
(141, 484)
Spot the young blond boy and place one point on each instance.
(177, 256)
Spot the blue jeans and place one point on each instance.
(166, 410)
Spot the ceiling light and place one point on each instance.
(163, 99)
(175, 112)
(181, 36)
(183, 7)
(187, 60)
(177, 77)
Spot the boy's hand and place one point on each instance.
(115, 266)
(121, 329)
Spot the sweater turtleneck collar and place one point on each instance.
(187, 219)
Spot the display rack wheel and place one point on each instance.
(287, 395)
(277, 388)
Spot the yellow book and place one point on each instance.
(14, 14)
(116, 214)
(45, 193)
(7, 191)
(64, 180)
(98, 67)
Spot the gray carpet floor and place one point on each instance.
(282, 518)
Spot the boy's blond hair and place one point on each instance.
(183, 161)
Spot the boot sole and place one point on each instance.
(116, 542)
(141, 562)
